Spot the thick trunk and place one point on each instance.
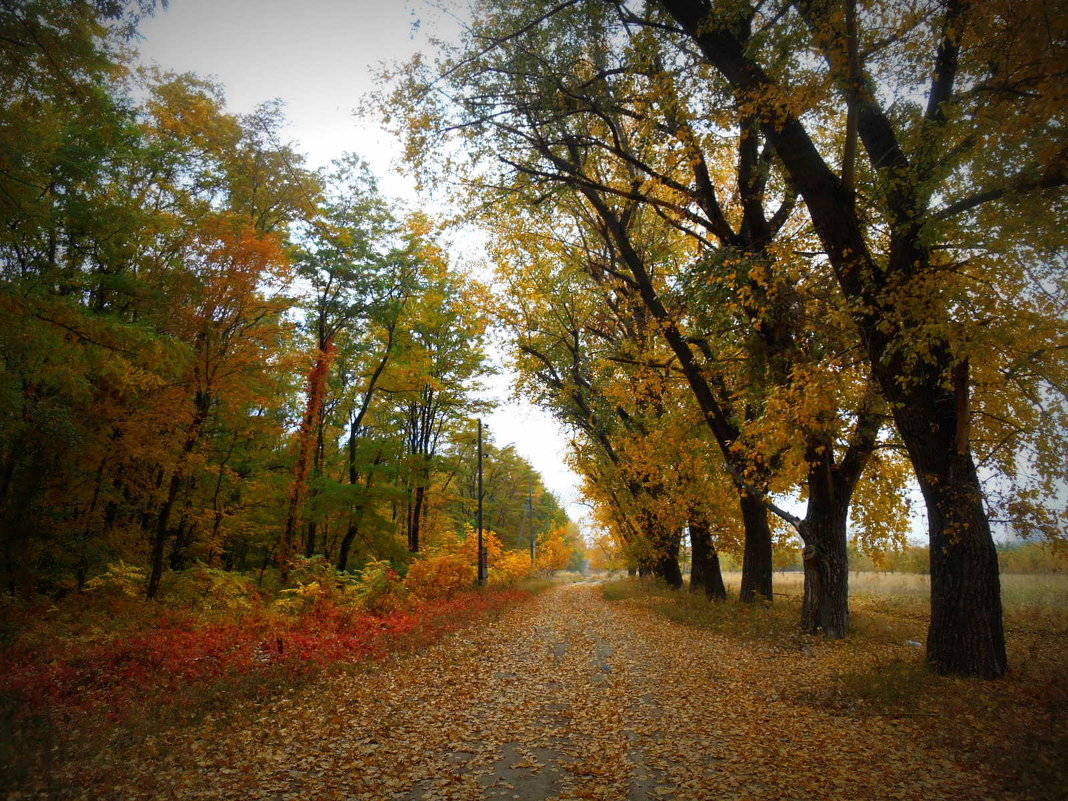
(705, 575)
(714, 586)
(756, 559)
(667, 563)
(668, 569)
(309, 545)
(966, 636)
(825, 607)
(700, 544)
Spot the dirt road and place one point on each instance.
(566, 697)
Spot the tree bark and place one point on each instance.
(825, 606)
(346, 546)
(159, 536)
(756, 558)
(305, 446)
(966, 635)
(667, 563)
(700, 545)
(417, 517)
(705, 575)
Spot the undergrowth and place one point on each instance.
(71, 684)
(1017, 725)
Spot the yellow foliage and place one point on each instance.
(468, 547)
(510, 567)
(553, 551)
(440, 575)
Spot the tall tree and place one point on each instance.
(893, 241)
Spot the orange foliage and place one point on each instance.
(553, 551)
(443, 575)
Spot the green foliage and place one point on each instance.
(379, 589)
(120, 578)
(151, 372)
(317, 582)
(208, 589)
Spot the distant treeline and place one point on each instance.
(1017, 557)
(1030, 557)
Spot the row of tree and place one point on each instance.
(210, 351)
(755, 250)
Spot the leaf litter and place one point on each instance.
(563, 697)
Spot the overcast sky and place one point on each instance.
(320, 57)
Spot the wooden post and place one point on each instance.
(482, 566)
(530, 516)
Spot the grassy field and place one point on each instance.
(1017, 589)
(1017, 724)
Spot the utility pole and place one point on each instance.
(530, 515)
(482, 566)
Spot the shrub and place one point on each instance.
(120, 579)
(379, 589)
(209, 589)
(318, 584)
(439, 576)
(510, 567)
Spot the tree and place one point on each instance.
(610, 124)
(933, 173)
(443, 360)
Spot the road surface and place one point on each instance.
(566, 696)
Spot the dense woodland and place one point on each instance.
(749, 254)
(214, 356)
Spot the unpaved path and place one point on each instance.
(566, 697)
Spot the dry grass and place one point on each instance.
(1017, 724)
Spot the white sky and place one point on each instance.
(320, 57)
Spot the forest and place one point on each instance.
(791, 276)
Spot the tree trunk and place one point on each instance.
(183, 538)
(305, 447)
(346, 546)
(159, 536)
(667, 564)
(825, 606)
(417, 517)
(756, 559)
(706, 575)
(966, 636)
(714, 586)
(700, 544)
